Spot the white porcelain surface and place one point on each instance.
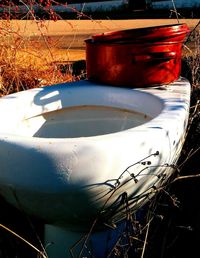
(64, 149)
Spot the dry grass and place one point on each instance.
(27, 62)
(23, 68)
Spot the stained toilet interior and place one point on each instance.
(85, 121)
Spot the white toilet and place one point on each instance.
(69, 153)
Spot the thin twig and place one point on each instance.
(24, 240)
(175, 11)
(186, 177)
(190, 154)
(145, 240)
(192, 31)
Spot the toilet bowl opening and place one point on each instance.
(83, 121)
(81, 111)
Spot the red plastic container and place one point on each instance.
(122, 59)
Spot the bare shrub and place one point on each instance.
(27, 62)
(192, 57)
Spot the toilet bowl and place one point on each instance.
(71, 153)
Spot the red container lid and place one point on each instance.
(156, 33)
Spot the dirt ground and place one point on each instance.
(71, 34)
(86, 27)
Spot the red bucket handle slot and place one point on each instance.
(156, 56)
